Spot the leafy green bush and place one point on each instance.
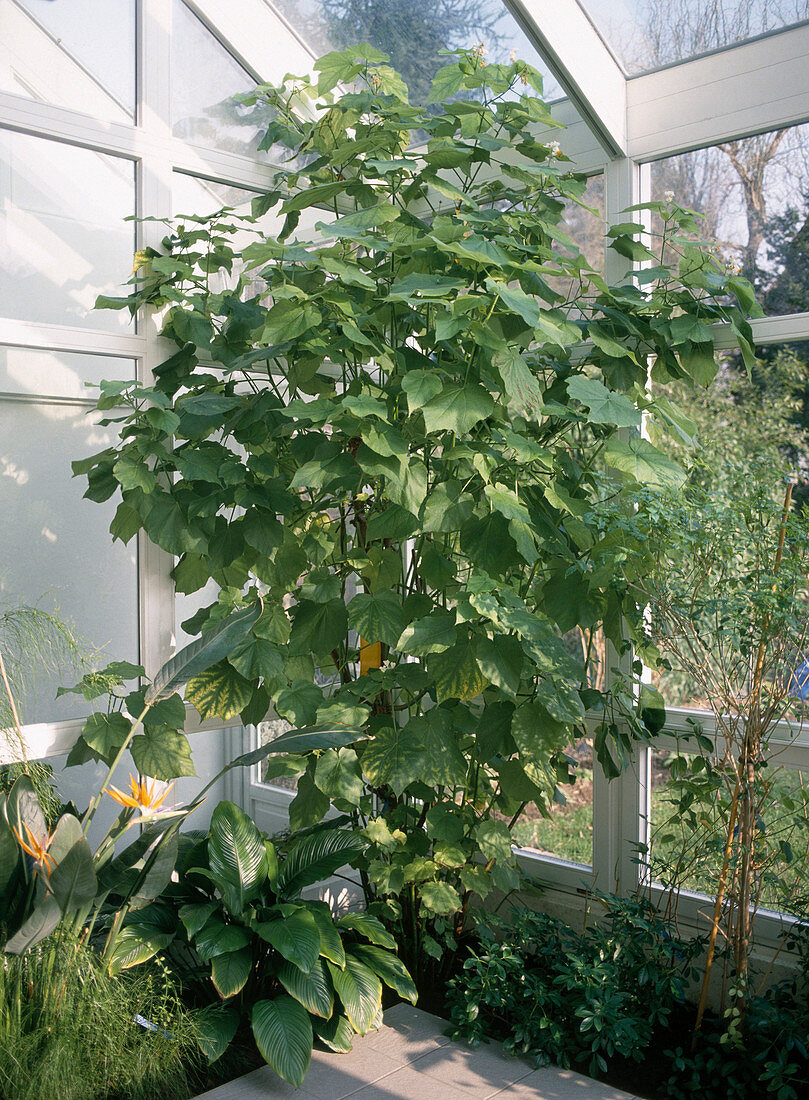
(68, 1031)
(571, 998)
(281, 962)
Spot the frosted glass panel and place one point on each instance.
(58, 374)
(72, 53)
(63, 237)
(204, 79)
(55, 548)
(413, 34)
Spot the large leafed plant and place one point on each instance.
(403, 413)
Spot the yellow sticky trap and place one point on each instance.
(370, 656)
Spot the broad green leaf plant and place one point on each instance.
(396, 414)
(284, 964)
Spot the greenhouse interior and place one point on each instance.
(404, 555)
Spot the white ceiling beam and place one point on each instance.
(746, 89)
(582, 64)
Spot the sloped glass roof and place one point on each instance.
(412, 32)
(647, 34)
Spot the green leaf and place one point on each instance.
(219, 691)
(73, 880)
(516, 300)
(314, 990)
(105, 733)
(520, 385)
(44, 919)
(494, 840)
(194, 917)
(389, 968)
(643, 462)
(377, 618)
(22, 808)
(217, 938)
(371, 927)
(331, 945)
(434, 633)
(237, 855)
(337, 1033)
(337, 774)
(229, 972)
(457, 409)
(162, 753)
(315, 857)
(501, 661)
(318, 627)
(456, 673)
(394, 757)
(213, 646)
(309, 806)
(216, 1026)
(296, 938)
(535, 733)
(283, 1033)
(135, 944)
(420, 386)
(605, 407)
(440, 898)
(360, 991)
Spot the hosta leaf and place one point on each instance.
(370, 927)
(135, 944)
(216, 1025)
(315, 857)
(360, 992)
(217, 938)
(331, 945)
(219, 691)
(236, 853)
(337, 1033)
(283, 1033)
(230, 971)
(295, 937)
(389, 968)
(314, 990)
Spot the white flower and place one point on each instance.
(512, 56)
(669, 196)
(554, 148)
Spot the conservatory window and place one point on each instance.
(64, 238)
(71, 53)
(647, 34)
(754, 195)
(71, 564)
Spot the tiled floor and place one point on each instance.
(410, 1059)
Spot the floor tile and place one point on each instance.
(409, 1084)
(550, 1083)
(482, 1072)
(335, 1076)
(261, 1084)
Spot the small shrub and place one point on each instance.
(572, 998)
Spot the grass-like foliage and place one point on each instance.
(68, 1030)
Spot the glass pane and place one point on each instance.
(72, 53)
(55, 548)
(63, 235)
(204, 80)
(751, 434)
(568, 833)
(645, 34)
(58, 374)
(413, 34)
(690, 811)
(753, 193)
